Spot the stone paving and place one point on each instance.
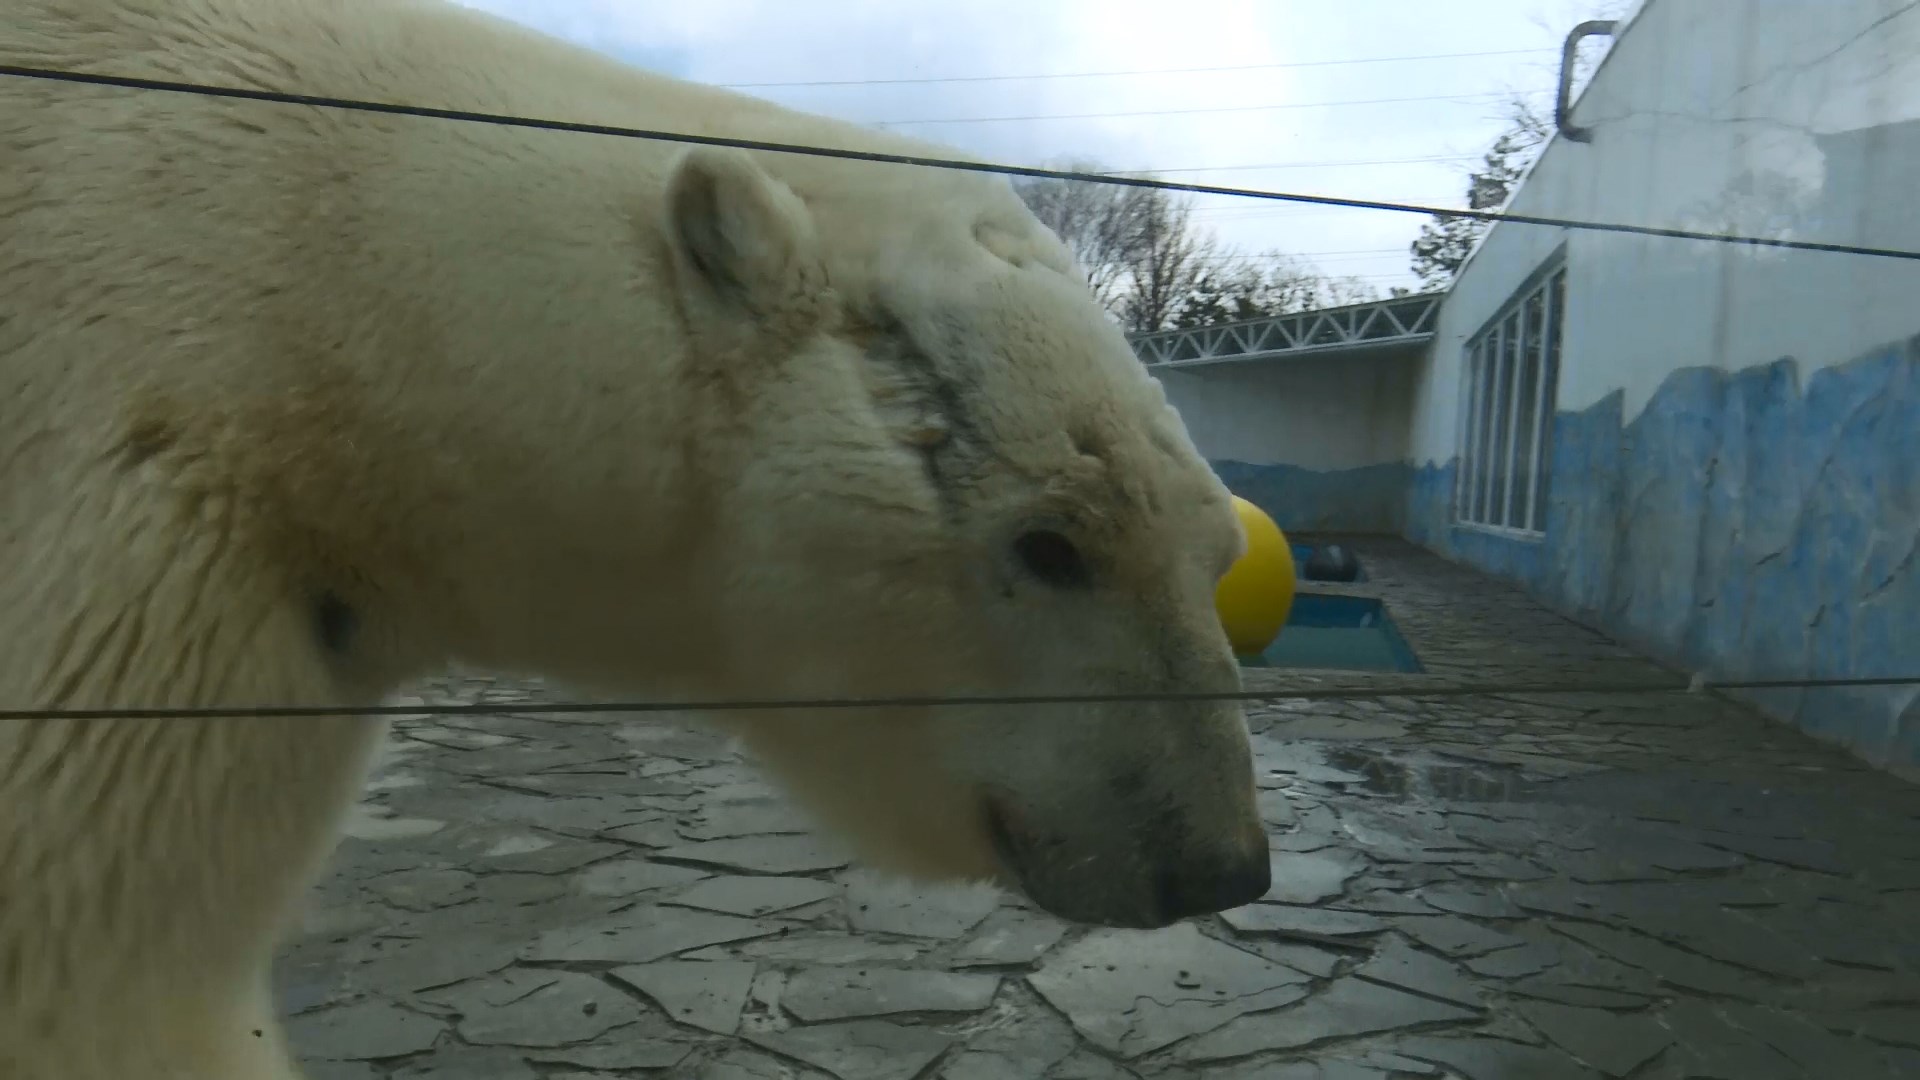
(1656, 887)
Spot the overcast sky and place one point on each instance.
(1329, 98)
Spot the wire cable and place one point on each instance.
(1144, 71)
(1695, 684)
(1436, 159)
(1449, 99)
(578, 127)
(1261, 166)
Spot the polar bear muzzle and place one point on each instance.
(1151, 870)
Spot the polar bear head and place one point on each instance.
(938, 470)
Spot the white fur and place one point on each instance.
(608, 410)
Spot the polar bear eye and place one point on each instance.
(1052, 558)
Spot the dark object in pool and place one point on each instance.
(1331, 562)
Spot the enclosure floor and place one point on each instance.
(1497, 888)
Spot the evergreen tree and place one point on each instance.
(1446, 240)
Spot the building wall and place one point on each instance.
(1735, 456)
(1320, 443)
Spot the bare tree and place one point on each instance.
(1274, 283)
(1286, 284)
(1139, 247)
(1101, 223)
(1154, 266)
(1174, 256)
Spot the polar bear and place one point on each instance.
(299, 403)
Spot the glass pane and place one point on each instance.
(1494, 406)
(1526, 411)
(1516, 448)
(1502, 425)
(1550, 378)
(1470, 389)
(1470, 451)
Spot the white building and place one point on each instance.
(1711, 451)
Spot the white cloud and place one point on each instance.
(768, 41)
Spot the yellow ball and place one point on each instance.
(1254, 597)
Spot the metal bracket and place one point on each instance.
(1563, 103)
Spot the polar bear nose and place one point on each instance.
(1216, 885)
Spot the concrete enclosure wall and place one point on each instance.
(1733, 463)
(1320, 442)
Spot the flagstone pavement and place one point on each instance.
(1495, 887)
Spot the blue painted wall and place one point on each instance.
(1367, 499)
(1744, 525)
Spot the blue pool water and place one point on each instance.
(1349, 633)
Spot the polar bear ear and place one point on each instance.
(740, 236)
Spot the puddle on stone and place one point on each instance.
(394, 781)
(1436, 779)
(367, 821)
(522, 844)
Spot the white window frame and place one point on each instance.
(1491, 494)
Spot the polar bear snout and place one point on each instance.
(1212, 884)
(1142, 866)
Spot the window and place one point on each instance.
(1512, 367)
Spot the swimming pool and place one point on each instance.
(1331, 631)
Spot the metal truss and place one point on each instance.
(1406, 320)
